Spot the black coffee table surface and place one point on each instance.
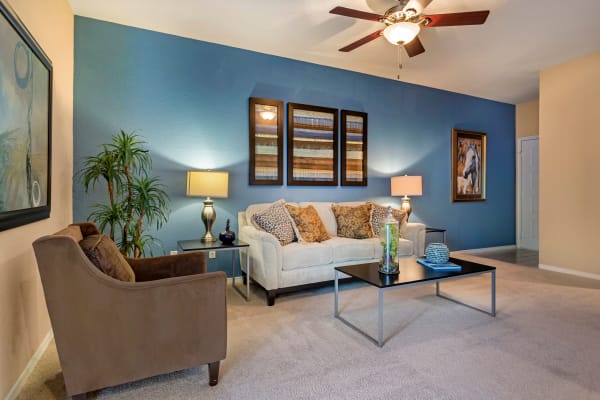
(410, 272)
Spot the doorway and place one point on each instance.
(528, 192)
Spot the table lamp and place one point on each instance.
(208, 183)
(407, 186)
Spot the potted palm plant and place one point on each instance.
(135, 199)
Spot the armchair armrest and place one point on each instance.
(149, 269)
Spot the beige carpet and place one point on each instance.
(543, 344)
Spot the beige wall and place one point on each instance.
(23, 315)
(570, 165)
(528, 118)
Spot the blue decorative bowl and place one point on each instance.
(437, 253)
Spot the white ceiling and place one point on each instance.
(499, 60)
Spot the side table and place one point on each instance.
(437, 230)
(197, 245)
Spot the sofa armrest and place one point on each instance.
(265, 256)
(415, 232)
(149, 269)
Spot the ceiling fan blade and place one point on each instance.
(414, 47)
(362, 41)
(452, 19)
(349, 12)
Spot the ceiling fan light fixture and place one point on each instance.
(268, 113)
(401, 32)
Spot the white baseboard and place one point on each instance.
(16, 388)
(485, 249)
(569, 271)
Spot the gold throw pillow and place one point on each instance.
(309, 224)
(353, 221)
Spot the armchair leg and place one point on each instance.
(213, 372)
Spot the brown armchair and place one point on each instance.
(110, 332)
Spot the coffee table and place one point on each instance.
(411, 273)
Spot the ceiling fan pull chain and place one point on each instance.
(399, 62)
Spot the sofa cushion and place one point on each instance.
(378, 214)
(308, 223)
(105, 255)
(304, 255)
(276, 221)
(405, 247)
(346, 249)
(353, 221)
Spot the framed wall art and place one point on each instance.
(25, 124)
(312, 145)
(266, 142)
(354, 148)
(468, 165)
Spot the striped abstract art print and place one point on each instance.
(312, 145)
(266, 142)
(354, 148)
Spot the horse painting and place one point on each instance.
(468, 165)
(471, 170)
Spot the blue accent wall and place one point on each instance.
(189, 100)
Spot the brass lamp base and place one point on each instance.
(406, 206)
(208, 217)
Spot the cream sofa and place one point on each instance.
(280, 269)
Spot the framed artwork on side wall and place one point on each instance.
(266, 142)
(312, 145)
(25, 124)
(354, 148)
(468, 165)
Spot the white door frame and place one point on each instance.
(518, 157)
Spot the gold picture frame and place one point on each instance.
(468, 165)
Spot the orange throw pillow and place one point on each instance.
(309, 224)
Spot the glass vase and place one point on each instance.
(388, 237)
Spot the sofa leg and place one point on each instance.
(271, 294)
(213, 373)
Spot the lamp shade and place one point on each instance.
(407, 186)
(207, 183)
(401, 32)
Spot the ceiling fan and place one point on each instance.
(404, 22)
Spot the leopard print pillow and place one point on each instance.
(276, 221)
(309, 224)
(378, 214)
(353, 222)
